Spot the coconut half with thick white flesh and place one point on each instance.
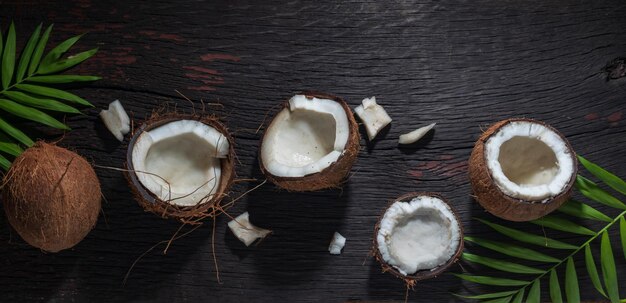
(418, 237)
(522, 169)
(180, 166)
(310, 144)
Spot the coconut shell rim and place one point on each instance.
(351, 145)
(426, 273)
(154, 204)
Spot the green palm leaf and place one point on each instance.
(27, 53)
(53, 93)
(555, 288)
(582, 210)
(8, 57)
(593, 192)
(608, 268)
(64, 64)
(519, 297)
(592, 270)
(622, 232)
(30, 114)
(534, 294)
(7, 146)
(491, 280)
(4, 163)
(41, 45)
(58, 79)
(15, 133)
(572, 293)
(501, 265)
(489, 296)
(499, 300)
(513, 250)
(56, 53)
(561, 224)
(528, 237)
(610, 179)
(48, 104)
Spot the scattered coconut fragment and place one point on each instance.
(418, 237)
(245, 231)
(116, 120)
(416, 135)
(337, 244)
(310, 144)
(181, 166)
(373, 116)
(522, 169)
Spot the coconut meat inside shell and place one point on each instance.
(529, 161)
(305, 137)
(179, 162)
(418, 235)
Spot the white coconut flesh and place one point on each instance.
(418, 235)
(529, 161)
(373, 116)
(336, 244)
(305, 138)
(179, 162)
(245, 231)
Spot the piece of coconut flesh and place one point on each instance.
(419, 235)
(337, 244)
(116, 120)
(179, 162)
(529, 161)
(245, 231)
(305, 138)
(416, 135)
(373, 116)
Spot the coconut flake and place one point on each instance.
(416, 135)
(116, 120)
(529, 161)
(337, 244)
(305, 138)
(373, 116)
(245, 231)
(419, 235)
(179, 161)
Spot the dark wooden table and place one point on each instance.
(462, 64)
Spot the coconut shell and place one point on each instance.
(422, 274)
(330, 177)
(51, 197)
(185, 214)
(489, 195)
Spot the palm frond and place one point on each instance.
(606, 284)
(29, 101)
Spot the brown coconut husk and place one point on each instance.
(164, 209)
(330, 177)
(410, 280)
(487, 193)
(51, 197)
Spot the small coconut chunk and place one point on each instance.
(373, 116)
(245, 231)
(337, 244)
(529, 161)
(416, 135)
(116, 120)
(419, 235)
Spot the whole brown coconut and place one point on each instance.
(422, 274)
(51, 197)
(526, 152)
(334, 174)
(165, 208)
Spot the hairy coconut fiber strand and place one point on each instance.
(51, 197)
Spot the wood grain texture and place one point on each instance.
(462, 64)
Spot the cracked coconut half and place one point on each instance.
(310, 144)
(180, 166)
(418, 237)
(522, 169)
